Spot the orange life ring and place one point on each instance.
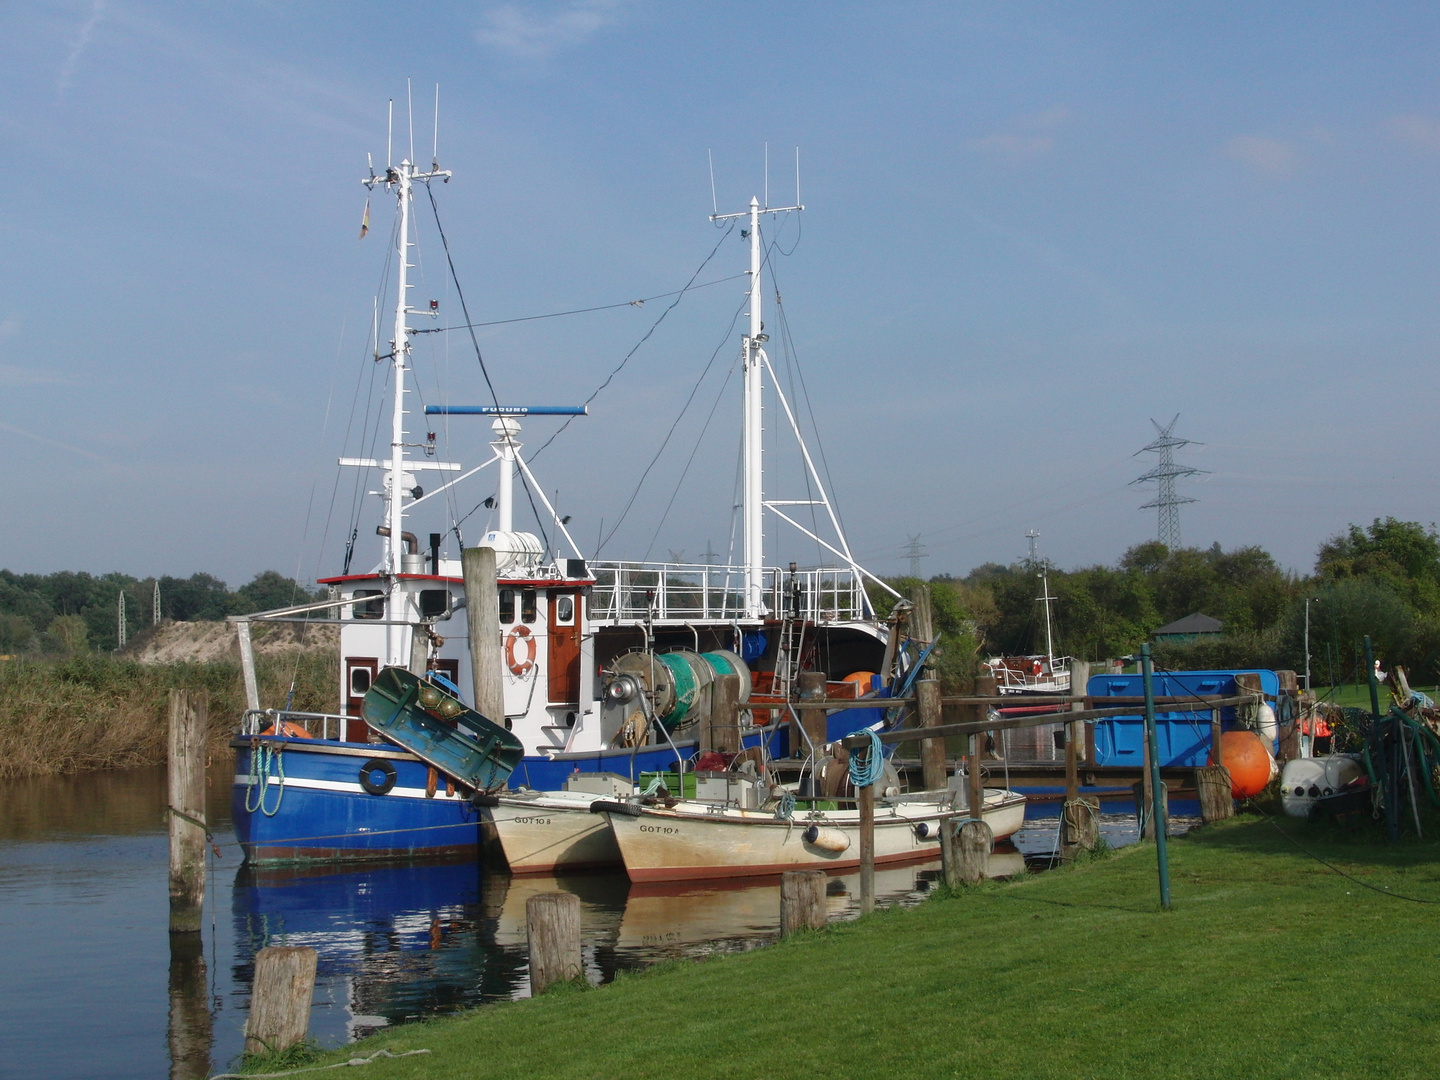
(1037, 668)
(518, 667)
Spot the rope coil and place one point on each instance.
(864, 773)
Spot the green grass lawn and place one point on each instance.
(1269, 965)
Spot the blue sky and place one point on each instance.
(1029, 229)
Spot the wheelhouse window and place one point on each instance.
(370, 609)
(359, 681)
(527, 605)
(507, 606)
(565, 610)
(434, 603)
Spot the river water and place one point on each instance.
(89, 984)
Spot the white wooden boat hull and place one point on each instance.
(692, 840)
(541, 832)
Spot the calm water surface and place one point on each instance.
(89, 985)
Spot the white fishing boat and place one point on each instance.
(694, 839)
(541, 832)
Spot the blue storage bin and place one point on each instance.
(1182, 735)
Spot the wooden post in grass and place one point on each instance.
(1212, 784)
(802, 901)
(865, 796)
(932, 751)
(974, 841)
(552, 927)
(186, 757)
(482, 615)
(280, 999)
(950, 852)
(1080, 825)
(1076, 820)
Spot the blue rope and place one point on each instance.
(786, 808)
(866, 774)
(260, 778)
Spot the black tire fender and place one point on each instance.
(367, 776)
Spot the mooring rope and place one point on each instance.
(866, 774)
(261, 779)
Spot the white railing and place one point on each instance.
(319, 725)
(627, 592)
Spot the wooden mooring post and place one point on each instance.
(482, 615)
(932, 751)
(1212, 784)
(552, 928)
(186, 760)
(965, 859)
(1079, 818)
(724, 722)
(280, 998)
(802, 901)
(866, 798)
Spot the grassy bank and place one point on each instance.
(98, 712)
(1269, 965)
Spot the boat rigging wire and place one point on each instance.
(636, 348)
(641, 302)
(635, 494)
(480, 358)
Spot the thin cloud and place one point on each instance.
(78, 47)
(1027, 137)
(527, 34)
(1420, 132)
(1270, 157)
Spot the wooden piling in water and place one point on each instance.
(280, 998)
(974, 839)
(190, 1031)
(725, 714)
(552, 928)
(1217, 802)
(932, 751)
(482, 614)
(811, 686)
(802, 901)
(186, 781)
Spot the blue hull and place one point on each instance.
(323, 812)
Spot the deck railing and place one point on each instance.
(678, 593)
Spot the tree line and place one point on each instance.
(1380, 580)
(68, 612)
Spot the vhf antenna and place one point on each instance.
(435, 146)
(390, 136)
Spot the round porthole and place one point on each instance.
(377, 776)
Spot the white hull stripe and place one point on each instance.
(242, 780)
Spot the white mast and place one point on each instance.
(399, 179)
(753, 360)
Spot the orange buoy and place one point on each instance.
(861, 680)
(1249, 762)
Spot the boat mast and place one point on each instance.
(1046, 598)
(400, 180)
(753, 360)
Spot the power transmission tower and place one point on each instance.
(120, 626)
(709, 555)
(1167, 502)
(915, 551)
(155, 610)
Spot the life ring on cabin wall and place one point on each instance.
(520, 666)
(1036, 668)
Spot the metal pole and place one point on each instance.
(1157, 798)
(1307, 643)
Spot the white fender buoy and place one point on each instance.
(826, 839)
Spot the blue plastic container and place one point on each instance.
(1182, 735)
